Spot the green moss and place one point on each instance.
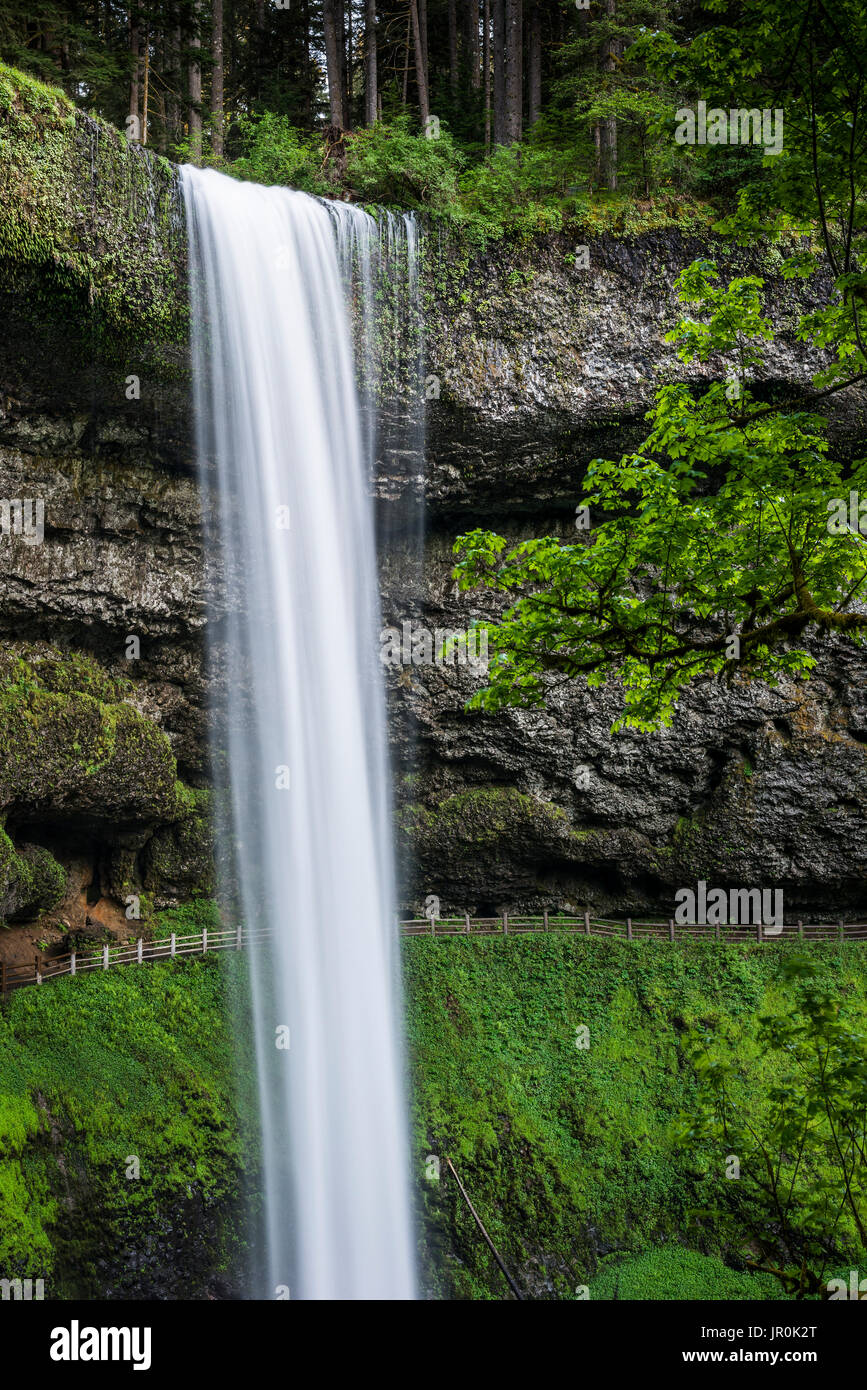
(27, 1207)
(31, 880)
(471, 820)
(568, 1153)
(71, 741)
(674, 1273)
(75, 746)
(179, 858)
(74, 749)
(101, 215)
(96, 1071)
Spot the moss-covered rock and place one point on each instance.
(31, 880)
(103, 214)
(458, 844)
(93, 770)
(73, 754)
(179, 858)
(93, 287)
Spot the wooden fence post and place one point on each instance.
(38, 971)
(586, 923)
(238, 937)
(467, 926)
(139, 952)
(629, 929)
(759, 930)
(545, 920)
(433, 926)
(671, 928)
(841, 932)
(204, 941)
(105, 957)
(717, 932)
(72, 963)
(800, 929)
(505, 924)
(172, 947)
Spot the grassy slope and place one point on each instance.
(99, 1068)
(565, 1152)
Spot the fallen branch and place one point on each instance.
(478, 1220)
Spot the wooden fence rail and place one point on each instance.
(236, 938)
(629, 929)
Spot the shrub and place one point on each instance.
(389, 164)
(277, 153)
(674, 1273)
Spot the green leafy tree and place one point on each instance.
(642, 113)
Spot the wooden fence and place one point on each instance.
(132, 953)
(236, 938)
(630, 929)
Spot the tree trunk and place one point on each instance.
(486, 67)
(453, 45)
(134, 47)
(406, 54)
(609, 151)
(175, 86)
(333, 64)
(160, 104)
(498, 14)
(163, 57)
(144, 102)
(514, 71)
(420, 75)
(194, 77)
(609, 125)
(471, 36)
(217, 79)
(309, 78)
(260, 46)
(370, 75)
(534, 70)
(344, 40)
(422, 24)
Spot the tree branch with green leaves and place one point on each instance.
(713, 549)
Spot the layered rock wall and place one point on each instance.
(534, 366)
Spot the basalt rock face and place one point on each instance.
(525, 810)
(540, 366)
(115, 582)
(534, 366)
(537, 364)
(101, 612)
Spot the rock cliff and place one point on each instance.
(535, 364)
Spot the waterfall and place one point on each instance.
(299, 745)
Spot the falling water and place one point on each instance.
(379, 263)
(299, 742)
